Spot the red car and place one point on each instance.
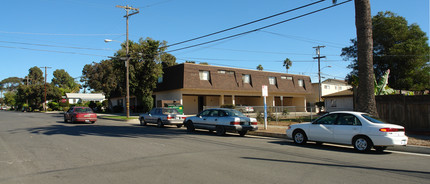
(80, 114)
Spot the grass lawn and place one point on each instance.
(120, 117)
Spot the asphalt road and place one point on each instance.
(41, 148)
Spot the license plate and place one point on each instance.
(403, 142)
(87, 120)
(87, 116)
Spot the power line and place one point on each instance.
(261, 28)
(332, 44)
(64, 52)
(59, 34)
(45, 45)
(248, 23)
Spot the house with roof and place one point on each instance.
(196, 86)
(339, 101)
(74, 98)
(328, 86)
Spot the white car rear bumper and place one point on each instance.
(389, 141)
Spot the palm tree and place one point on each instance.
(365, 93)
(259, 67)
(287, 63)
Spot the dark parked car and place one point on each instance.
(80, 114)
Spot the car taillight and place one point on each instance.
(254, 123)
(234, 123)
(169, 117)
(391, 130)
(184, 117)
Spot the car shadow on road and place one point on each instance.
(328, 147)
(85, 129)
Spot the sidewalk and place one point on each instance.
(279, 132)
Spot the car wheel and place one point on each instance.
(299, 137)
(243, 133)
(380, 148)
(92, 122)
(160, 124)
(142, 122)
(362, 143)
(73, 120)
(190, 126)
(179, 126)
(220, 130)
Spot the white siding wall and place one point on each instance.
(339, 104)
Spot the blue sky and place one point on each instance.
(68, 34)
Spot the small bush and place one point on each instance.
(229, 106)
(118, 109)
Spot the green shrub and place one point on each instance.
(229, 106)
(118, 109)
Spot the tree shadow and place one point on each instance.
(84, 129)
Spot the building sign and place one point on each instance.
(265, 91)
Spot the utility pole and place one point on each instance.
(46, 75)
(136, 11)
(319, 70)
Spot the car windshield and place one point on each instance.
(372, 119)
(88, 110)
(170, 111)
(232, 112)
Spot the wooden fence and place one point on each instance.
(412, 112)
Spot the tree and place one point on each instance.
(287, 64)
(35, 75)
(101, 77)
(62, 79)
(10, 83)
(259, 67)
(363, 23)
(145, 67)
(168, 60)
(9, 98)
(398, 47)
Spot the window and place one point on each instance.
(290, 78)
(301, 82)
(283, 77)
(326, 86)
(204, 75)
(272, 80)
(230, 72)
(326, 120)
(221, 71)
(160, 79)
(348, 119)
(246, 78)
(333, 103)
(340, 88)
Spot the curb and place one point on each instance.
(407, 148)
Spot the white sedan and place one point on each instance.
(351, 128)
